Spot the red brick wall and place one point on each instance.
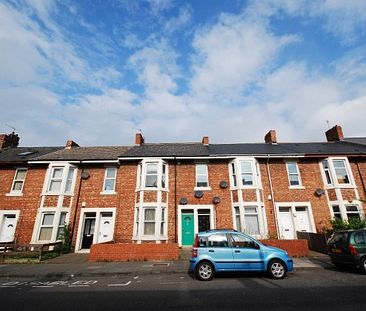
(28, 203)
(295, 248)
(133, 252)
(186, 179)
(311, 180)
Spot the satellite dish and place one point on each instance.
(85, 175)
(183, 201)
(198, 194)
(319, 192)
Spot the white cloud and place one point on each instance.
(156, 67)
(177, 23)
(233, 54)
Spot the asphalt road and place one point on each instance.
(302, 290)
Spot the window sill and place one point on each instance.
(296, 187)
(14, 194)
(108, 192)
(202, 188)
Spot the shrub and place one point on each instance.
(353, 223)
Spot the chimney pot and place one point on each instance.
(71, 144)
(335, 133)
(205, 140)
(139, 139)
(9, 140)
(271, 137)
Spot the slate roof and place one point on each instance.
(168, 150)
(24, 154)
(84, 153)
(253, 149)
(326, 148)
(356, 140)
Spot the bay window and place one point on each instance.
(249, 219)
(336, 172)
(244, 173)
(61, 179)
(152, 175)
(150, 222)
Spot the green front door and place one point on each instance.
(187, 229)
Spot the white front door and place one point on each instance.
(286, 223)
(105, 233)
(8, 228)
(302, 219)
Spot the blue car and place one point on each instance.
(230, 250)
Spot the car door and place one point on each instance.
(247, 253)
(219, 250)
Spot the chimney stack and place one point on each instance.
(335, 133)
(9, 140)
(205, 140)
(271, 137)
(139, 139)
(71, 144)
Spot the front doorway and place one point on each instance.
(292, 218)
(193, 219)
(88, 232)
(7, 227)
(97, 226)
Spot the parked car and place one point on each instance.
(229, 250)
(348, 248)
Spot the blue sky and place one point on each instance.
(98, 71)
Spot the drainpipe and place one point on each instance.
(175, 201)
(77, 204)
(272, 196)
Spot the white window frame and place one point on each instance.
(333, 175)
(55, 224)
(260, 216)
(342, 205)
(113, 191)
(141, 174)
(64, 179)
(300, 185)
(255, 173)
(206, 175)
(14, 192)
(139, 222)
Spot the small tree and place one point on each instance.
(66, 240)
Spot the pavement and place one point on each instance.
(76, 265)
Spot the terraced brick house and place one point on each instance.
(166, 192)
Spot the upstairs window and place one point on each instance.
(151, 178)
(56, 179)
(18, 182)
(246, 173)
(152, 174)
(341, 171)
(201, 176)
(336, 172)
(326, 169)
(110, 179)
(293, 174)
(233, 174)
(61, 179)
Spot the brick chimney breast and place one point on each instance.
(71, 144)
(271, 137)
(9, 140)
(335, 133)
(205, 140)
(139, 139)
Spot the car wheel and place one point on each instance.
(205, 271)
(363, 265)
(276, 269)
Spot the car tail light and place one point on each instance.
(195, 245)
(353, 249)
